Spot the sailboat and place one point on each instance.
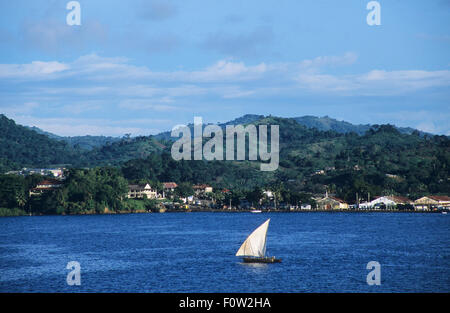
(253, 249)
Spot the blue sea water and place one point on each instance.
(195, 252)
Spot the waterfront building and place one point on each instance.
(428, 203)
(331, 203)
(386, 201)
(142, 191)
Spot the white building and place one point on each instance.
(142, 191)
(429, 202)
(388, 201)
(305, 206)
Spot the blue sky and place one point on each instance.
(142, 67)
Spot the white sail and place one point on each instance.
(255, 244)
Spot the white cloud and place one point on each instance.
(348, 58)
(22, 108)
(116, 76)
(325, 83)
(80, 127)
(35, 69)
(375, 82)
(226, 70)
(96, 85)
(309, 74)
(232, 94)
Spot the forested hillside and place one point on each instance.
(86, 142)
(22, 147)
(326, 123)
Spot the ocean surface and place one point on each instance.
(195, 252)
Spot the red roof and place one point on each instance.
(337, 199)
(440, 198)
(399, 199)
(170, 185)
(47, 184)
(333, 198)
(396, 199)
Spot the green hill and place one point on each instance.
(20, 146)
(84, 142)
(126, 149)
(326, 123)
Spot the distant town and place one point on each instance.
(203, 198)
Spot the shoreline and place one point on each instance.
(233, 211)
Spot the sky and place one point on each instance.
(142, 67)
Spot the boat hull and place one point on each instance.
(261, 260)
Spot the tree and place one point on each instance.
(184, 190)
(254, 196)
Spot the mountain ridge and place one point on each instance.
(87, 142)
(324, 123)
